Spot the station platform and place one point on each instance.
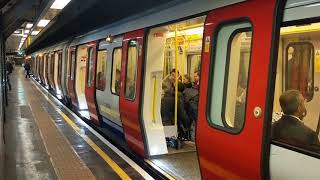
(45, 140)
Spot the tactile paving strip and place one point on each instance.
(66, 162)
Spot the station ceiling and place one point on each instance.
(81, 16)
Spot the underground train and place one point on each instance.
(247, 52)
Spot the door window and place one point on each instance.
(73, 64)
(116, 71)
(131, 70)
(90, 66)
(229, 83)
(101, 69)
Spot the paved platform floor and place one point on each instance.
(45, 141)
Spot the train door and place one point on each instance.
(80, 78)
(90, 87)
(41, 68)
(297, 72)
(233, 85)
(57, 71)
(108, 81)
(71, 76)
(130, 90)
(64, 73)
(51, 72)
(45, 69)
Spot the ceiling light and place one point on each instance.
(35, 32)
(25, 35)
(16, 32)
(43, 22)
(59, 4)
(26, 31)
(29, 25)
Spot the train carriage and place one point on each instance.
(247, 54)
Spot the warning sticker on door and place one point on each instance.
(207, 44)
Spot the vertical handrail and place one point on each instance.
(176, 79)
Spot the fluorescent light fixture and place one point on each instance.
(17, 32)
(43, 22)
(35, 32)
(59, 4)
(29, 25)
(26, 31)
(25, 35)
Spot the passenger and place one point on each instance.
(168, 83)
(27, 69)
(117, 82)
(290, 128)
(191, 99)
(9, 69)
(196, 79)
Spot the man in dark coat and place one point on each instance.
(290, 128)
(27, 67)
(9, 69)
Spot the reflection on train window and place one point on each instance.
(233, 49)
(131, 70)
(101, 69)
(116, 71)
(73, 64)
(299, 68)
(90, 66)
(297, 85)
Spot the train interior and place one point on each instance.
(298, 68)
(80, 78)
(172, 48)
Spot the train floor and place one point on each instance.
(43, 140)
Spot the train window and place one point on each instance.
(90, 66)
(101, 69)
(116, 71)
(296, 113)
(73, 64)
(131, 70)
(233, 50)
(299, 68)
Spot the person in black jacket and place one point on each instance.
(27, 67)
(290, 128)
(9, 69)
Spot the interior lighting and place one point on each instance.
(198, 30)
(29, 25)
(26, 31)
(300, 29)
(35, 32)
(43, 22)
(25, 35)
(59, 4)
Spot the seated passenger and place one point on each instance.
(290, 128)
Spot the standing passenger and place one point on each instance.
(27, 68)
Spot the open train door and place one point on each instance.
(230, 132)
(71, 76)
(130, 89)
(90, 88)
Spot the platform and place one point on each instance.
(46, 141)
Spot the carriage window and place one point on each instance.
(101, 69)
(116, 71)
(193, 65)
(90, 66)
(228, 104)
(296, 113)
(131, 70)
(299, 68)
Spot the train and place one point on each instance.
(244, 51)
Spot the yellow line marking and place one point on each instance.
(97, 149)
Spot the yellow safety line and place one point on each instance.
(97, 149)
